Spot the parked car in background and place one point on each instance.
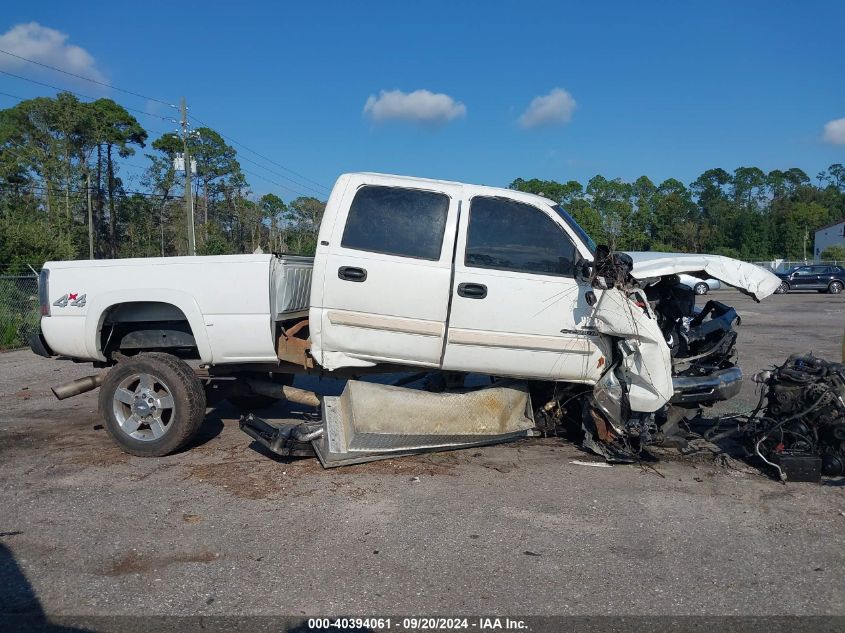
(700, 286)
(819, 277)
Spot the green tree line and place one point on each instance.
(748, 214)
(61, 159)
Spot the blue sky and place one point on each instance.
(664, 90)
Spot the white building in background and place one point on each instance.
(830, 235)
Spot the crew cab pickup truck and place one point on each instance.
(409, 274)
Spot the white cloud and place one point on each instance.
(48, 46)
(834, 131)
(554, 108)
(419, 106)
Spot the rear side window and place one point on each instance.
(394, 221)
(510, 235)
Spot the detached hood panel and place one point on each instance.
(753, 280)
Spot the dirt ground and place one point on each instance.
(513, 529)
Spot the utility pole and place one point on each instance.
(90, 214)
(806, 237)
(189, 195)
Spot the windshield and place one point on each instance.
(581, 233)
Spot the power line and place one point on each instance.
(269, 160)
(93, 81)
(278, 184)
(77, 193)
(320, 191)
(79, 94)
(24, 158)
(6, 94)
(288, 187)
(159, 132)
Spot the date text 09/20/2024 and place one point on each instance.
(419, 624)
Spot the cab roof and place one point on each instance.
(484, 189)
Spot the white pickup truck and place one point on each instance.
(409, 275)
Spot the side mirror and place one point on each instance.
(583, 270)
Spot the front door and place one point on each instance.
(517, 309)
(805, 278)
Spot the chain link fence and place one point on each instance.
(19, 310)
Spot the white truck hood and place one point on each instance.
(751, 279)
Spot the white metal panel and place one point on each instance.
(749, 278)
(233, 287)
(648, 368)
(526, 325)
(66, 336)
(404, 288)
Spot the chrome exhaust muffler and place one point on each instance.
(76, 387)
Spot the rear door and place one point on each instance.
(823, 276)
(517, 309)
(387, 275)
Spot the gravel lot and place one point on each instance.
(513, 529)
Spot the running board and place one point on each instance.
(369, 421)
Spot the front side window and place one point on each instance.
(396, 221)
(585, 237)
(510, 235)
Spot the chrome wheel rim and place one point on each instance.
(835, 288)
(144, 407)
(700, 289)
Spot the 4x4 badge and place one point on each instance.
(73, 299)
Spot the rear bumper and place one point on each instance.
(697, 390)
(39, 346)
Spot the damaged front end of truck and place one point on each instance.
(666, 357)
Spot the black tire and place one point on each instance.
(258, 401)
(701, 288)
(167, 376)
(835, 287)
(783, 288)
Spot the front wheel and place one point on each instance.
(782, 289)
(835, 287)
(701, 288)
(153, 404)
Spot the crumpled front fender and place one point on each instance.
(642, 359)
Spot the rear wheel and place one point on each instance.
(835, 287)
(153, 404)
(782, 289)
(701, 288)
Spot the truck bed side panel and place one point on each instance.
(226, 300)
